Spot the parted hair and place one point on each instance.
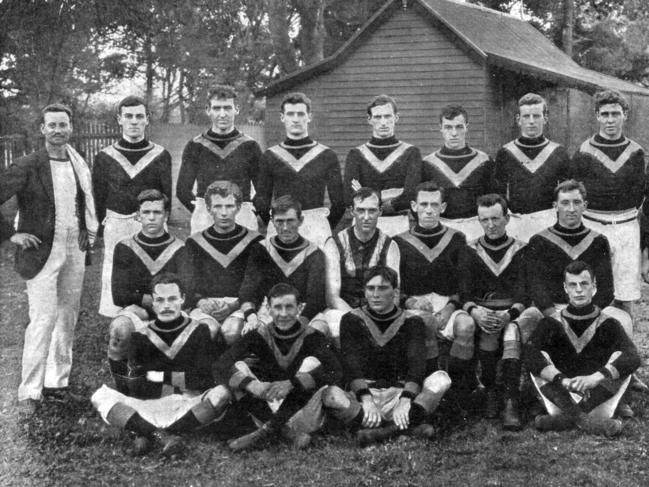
(153, 195)
(56, 107)
(570, 185)
(449, 112)
(168, 278)
(283, 289)
(132, 101)
(380, 100)
(295, 98)
(576, 267)
(533, 99)
(493, 199)
(610, 97)
(221, 92)
(429, 187)
(223, 189)
(364, 193)
(387, 273)
(285, 203)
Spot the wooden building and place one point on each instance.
(431, 53)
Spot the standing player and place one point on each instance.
(463, 172)
(351, 252)
(221, 153)
(136, 260)
(216, 262)
(383, 350)
(303, 168)
(493, 288)
(121, 172)
(170, 367)
(430, 257)
(528, 168)
(612, 167)
(384, 163)
(56, 226)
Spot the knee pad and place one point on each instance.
(464, 326)
(119, 341)
(218, 396)
(511, 333)
(319, 323)
(308, 364)
(437, 382)
(335, 397)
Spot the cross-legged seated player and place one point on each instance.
(493, 288)
(383, 353)
(581, 360)
(136, 260)
(350, 253)
(430, 256)
(217, 258)
(287, 257)
(283, 386)
(170, 364)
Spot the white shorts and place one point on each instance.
(434, 328)
(393, 225)
(624, 239)
(523, 226)
(201, 219)
(314, 228)
(470, 227)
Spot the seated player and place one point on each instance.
(581, 360)
(462, 171)
(169, 366)
(283, 388)
(287, 257)
(136, 260)
(350, 253)
(430, 258)
(383, 353)
(528, 168)
(386, 164)
(303, 168)
(216, 262)
(493, 288)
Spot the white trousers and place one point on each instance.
(116, 228)
(54, 296)
(201, 219)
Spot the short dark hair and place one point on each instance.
(576, 267)
(223, 189)
(380, 100)
(221, 92)
(569, 185)
(283, 289)
(54, 108)
(533, 99)
(132, 101)
(153, 195)
(449, 112)
(493, 199)
(610, 97)
(167, 278)
(295, 98)
(387, 273)
(285, 203)
(429, 187)
(364, 193)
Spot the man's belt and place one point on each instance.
(611, 218)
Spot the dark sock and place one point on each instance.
(357, 422)
(460, 371)
(292, 403)
(431, 366)
(511, 377)
(596, 396)
(562, 399)
(489, 362)
(139, 425)
(188, 422)
(119, 372)
(417, 414)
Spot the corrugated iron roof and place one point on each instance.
(502, 40)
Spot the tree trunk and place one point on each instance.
(568, 23)
(181, 100)
(150, 73)
(312, 30)
(279, 26)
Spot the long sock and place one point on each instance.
(417, 414)
(432, 365)
(511, 377)
(596, 396)
(292, 403)
(139, 425)
(489, 362)
(188, 422)
(357, 422)
(459, 370)
(119, 372)
(561, 397)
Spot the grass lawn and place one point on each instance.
(67, 446)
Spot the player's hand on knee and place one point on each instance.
(258, 388)
(401, 414)
(252, 323)
(26, 240)
(371, 414)
(278, 390)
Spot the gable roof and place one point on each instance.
(494, 38)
